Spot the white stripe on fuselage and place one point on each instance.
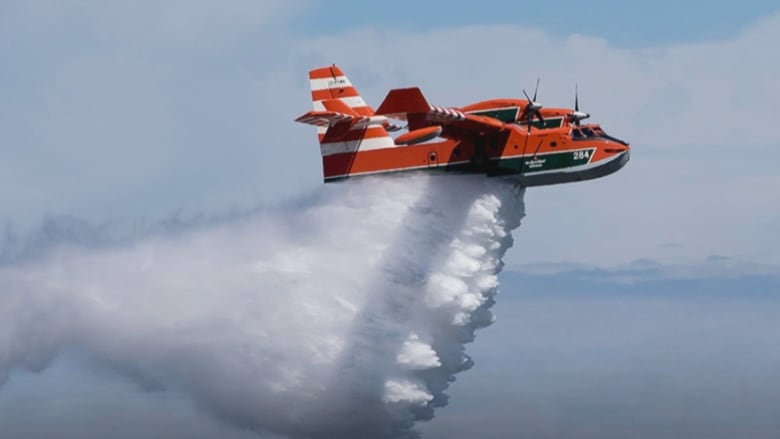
(331, 148)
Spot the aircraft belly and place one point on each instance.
(543, 169)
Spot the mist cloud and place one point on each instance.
(342, 316)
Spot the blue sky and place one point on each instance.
(127, 113)
(624, 24)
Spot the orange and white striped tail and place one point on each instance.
(346, 125)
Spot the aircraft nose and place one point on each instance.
(617, 149)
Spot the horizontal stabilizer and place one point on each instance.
(324, 118)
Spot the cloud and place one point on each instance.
(136, 109)
(156, 112)
(697, 177)
(711, 277)
(665, 96)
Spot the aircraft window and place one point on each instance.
(577, 134)
(589, 132)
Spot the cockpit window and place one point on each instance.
(577, 134)
(588, 132)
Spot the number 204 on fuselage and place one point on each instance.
(511, 138)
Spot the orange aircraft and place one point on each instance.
(513, 138)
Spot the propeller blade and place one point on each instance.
(532, 110)
(576, 99)
(539, 116)
(527, 110)
(526, 96)
(536, 90)
(577, 116)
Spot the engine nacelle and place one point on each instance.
(578, 115)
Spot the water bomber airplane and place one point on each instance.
(510, 138)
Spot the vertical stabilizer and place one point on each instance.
(331, 90)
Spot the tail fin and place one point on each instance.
(331, 83)
(345, 123)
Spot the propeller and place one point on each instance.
(576, 116)
(533, 108)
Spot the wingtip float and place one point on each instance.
(510, 138)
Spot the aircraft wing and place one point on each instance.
(410, 105)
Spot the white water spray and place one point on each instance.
(344, 316)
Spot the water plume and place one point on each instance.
(341, 315)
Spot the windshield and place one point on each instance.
(588, 132)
